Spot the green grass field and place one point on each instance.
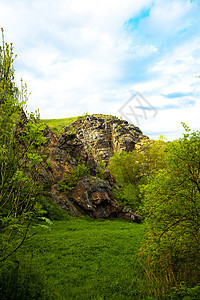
(88, 259)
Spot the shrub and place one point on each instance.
(25, 280)
(184, 293)
(71, 179)
(133, 169)
(171, 206)
(82, 170)
(101, 170)
(52, 210)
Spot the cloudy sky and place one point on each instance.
(135, 58)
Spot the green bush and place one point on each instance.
(101, 170)
(21, 140)
(25, 280)
(53, 211)
(70, 180)
(128, 195)
(133, 169)
(82, 170)
(184, 293)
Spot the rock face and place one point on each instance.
(102, 136)
(74, 172)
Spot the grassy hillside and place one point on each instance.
(84, 259)
(57, 125)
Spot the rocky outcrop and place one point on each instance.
(103, 135)
(94, 196)
(74, 171)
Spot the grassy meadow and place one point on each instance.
(81, 259)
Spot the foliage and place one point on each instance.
(70, 179)
(51, 208)
(82, 170)
(25, 279)
(128, 194)
(21, 139)
(171, 207)
(132, 169)
(184, 293)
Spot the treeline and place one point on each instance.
(161, 180)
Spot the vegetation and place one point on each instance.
(134, 168)
(80, 259)
(57, 125)
(171, 206)
(101, 170)
(162, 181)
(95, 259)
(70, 179)
(50, 208)
(20, 144)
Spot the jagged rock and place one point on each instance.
(143, 144)
(94, 139)
(94, 196)
(63, 201)
(126, 213)
(103, 136)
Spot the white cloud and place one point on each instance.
(76, 56)
(168, 17)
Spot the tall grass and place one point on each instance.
(87, 259)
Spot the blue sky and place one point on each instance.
(79, 56)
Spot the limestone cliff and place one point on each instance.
(74, 171)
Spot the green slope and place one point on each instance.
(57, 125)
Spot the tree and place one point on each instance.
(171, 206)
(132, 169)
(21, 139)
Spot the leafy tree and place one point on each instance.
(21, 139)
(132, 169)
(171, 206)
